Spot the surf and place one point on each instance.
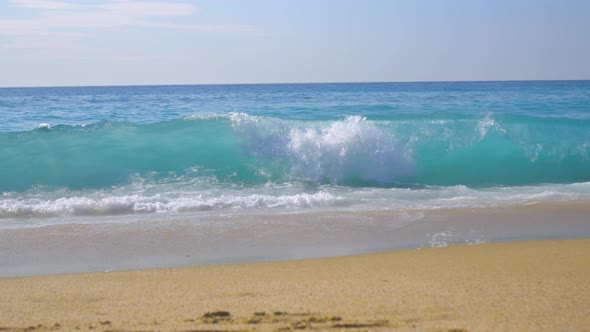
(354, 151)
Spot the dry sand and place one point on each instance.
(521, 286)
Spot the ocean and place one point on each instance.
(102, 178)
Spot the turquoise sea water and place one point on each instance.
(102, 151)
(103, 178)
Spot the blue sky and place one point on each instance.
(120, 42)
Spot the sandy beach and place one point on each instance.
(518, 286)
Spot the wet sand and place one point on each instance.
(519, 286)
(125, 243)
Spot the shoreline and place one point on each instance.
(189, 240)
(513, 286)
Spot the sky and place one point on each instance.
(142, 42)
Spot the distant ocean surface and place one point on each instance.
(70, 152)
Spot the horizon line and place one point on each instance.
(289, 83)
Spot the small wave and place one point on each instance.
(43, 127)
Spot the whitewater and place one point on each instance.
(259, 172)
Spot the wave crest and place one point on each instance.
(243, 149)
(338, 152)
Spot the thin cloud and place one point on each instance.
(140, 8)
(145, 9)
(64, 27)
(57, 17)
(43, 4)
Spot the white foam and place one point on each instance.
(332, 151)
(146, 198)
(43, 126)
(440, 239)
(131, 204)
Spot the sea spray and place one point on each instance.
(351, 151)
